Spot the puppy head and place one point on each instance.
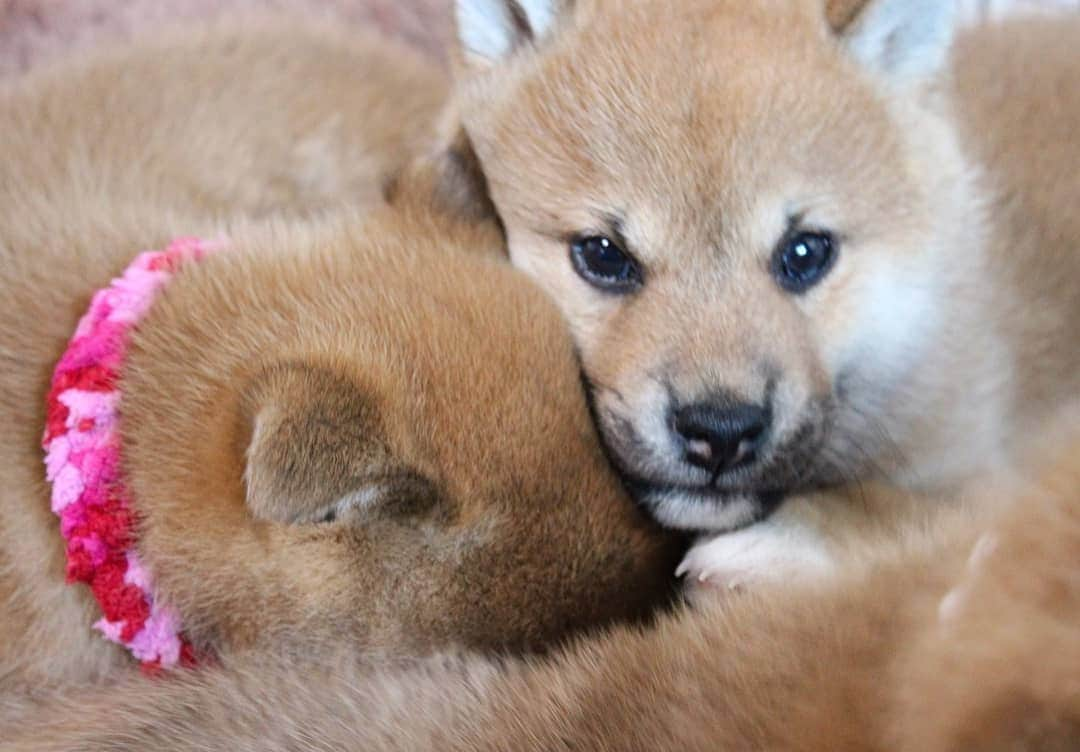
(378, 436)
(738, 208)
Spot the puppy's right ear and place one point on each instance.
(448, 178)
(489, 31)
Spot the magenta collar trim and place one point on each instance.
(82, 459)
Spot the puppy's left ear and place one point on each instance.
(902, 41)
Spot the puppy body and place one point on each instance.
(963, 638)
(308, 415)
(120, 153)
(709, 149)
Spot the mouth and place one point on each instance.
(705, 508)
(679, 495)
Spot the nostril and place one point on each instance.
(721, 436)
(699, 450)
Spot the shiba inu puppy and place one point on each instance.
(351, 430)
(963, 639)
(798, 246)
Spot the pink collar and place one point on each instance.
(82, 446)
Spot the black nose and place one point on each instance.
(721, 436)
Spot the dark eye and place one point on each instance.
(802, 259)
(603, 264)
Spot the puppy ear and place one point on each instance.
(460, 186)
(314, 442)
(489, 31)
(448, 179)
(901, 40)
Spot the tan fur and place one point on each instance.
(937, 345)
(931, 650)
(347, 430)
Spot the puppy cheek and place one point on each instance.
(793, 406)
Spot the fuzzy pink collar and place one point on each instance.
(82, 459)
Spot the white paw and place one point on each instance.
(764, 552)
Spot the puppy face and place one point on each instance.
(728, 209)
(377, 436)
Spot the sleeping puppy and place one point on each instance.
(334, 431)
(957, 640)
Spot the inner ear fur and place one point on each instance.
(313, 436)
(490, 31)
(900, 41)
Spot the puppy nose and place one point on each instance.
(721, 436)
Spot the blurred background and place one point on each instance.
(33, 31)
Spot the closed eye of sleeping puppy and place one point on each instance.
(799, 243)
(961, 639)
(355, 431)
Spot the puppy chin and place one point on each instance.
(701, 511)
